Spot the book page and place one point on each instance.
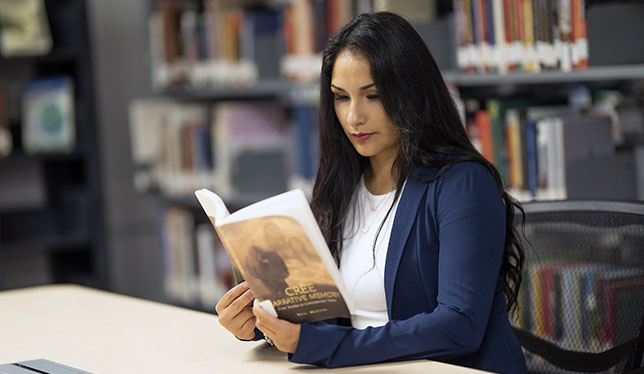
(213, 205)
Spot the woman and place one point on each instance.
(416, 218)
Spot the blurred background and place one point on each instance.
(113, 112)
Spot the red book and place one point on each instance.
(509, 30)
(484, 125)
(547, 290)
(575, 34)
(332, 16)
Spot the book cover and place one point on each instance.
(48, 115)
(278, 249)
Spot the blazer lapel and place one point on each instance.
(403, 221)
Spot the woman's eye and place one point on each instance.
(372, 97)
(339, 97)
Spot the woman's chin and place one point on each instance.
(363, 152)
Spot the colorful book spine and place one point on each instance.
(527, 35)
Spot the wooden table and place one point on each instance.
(103, 332)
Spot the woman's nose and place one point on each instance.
(356, 115)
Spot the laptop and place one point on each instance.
(40, 366)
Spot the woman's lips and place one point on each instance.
(361, 138)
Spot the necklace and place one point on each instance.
(375, 210)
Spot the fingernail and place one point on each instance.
(244, 284)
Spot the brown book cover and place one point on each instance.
(277, 247)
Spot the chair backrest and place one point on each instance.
(583, 279)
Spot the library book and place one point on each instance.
(277, 247)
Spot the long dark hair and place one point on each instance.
(414, 96)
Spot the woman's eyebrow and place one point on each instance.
(362, 88)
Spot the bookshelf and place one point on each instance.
(578, 70)
(292, 93)
(52, 229)
(581, 236)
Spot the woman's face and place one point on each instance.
(359, 109)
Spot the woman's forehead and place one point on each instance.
(351, 68)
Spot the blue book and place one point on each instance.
(531, 156)
(204, 146)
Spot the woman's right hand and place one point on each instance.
(235, 311)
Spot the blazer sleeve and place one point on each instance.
(471, 223)
(258, 336)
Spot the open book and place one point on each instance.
(278, 248)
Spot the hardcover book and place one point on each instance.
(278, 248)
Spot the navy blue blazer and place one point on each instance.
(443, 283)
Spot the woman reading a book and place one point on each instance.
(415, 217)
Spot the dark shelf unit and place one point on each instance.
(286, 92)
(590, 75)
(62, 242)
(44, 157)
(57, 55)
(67, 229)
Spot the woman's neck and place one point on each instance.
(378, 177)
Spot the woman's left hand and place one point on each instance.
(283, 334)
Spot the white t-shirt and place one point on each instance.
(364, 280)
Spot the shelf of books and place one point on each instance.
(237, 92)
(197, 271)
(583, 283)
(244, 150)
(235, 112)
(555, 151)
(536, 78)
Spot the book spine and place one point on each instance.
(512, 131)
(477, 31)
(520, 34)
(509, 23)
(489, 65)
(470, 41)
(530, 54)
(499, 36)
(531, 157)
(565, 31)
(484, 126)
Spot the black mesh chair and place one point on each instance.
(582, 297)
